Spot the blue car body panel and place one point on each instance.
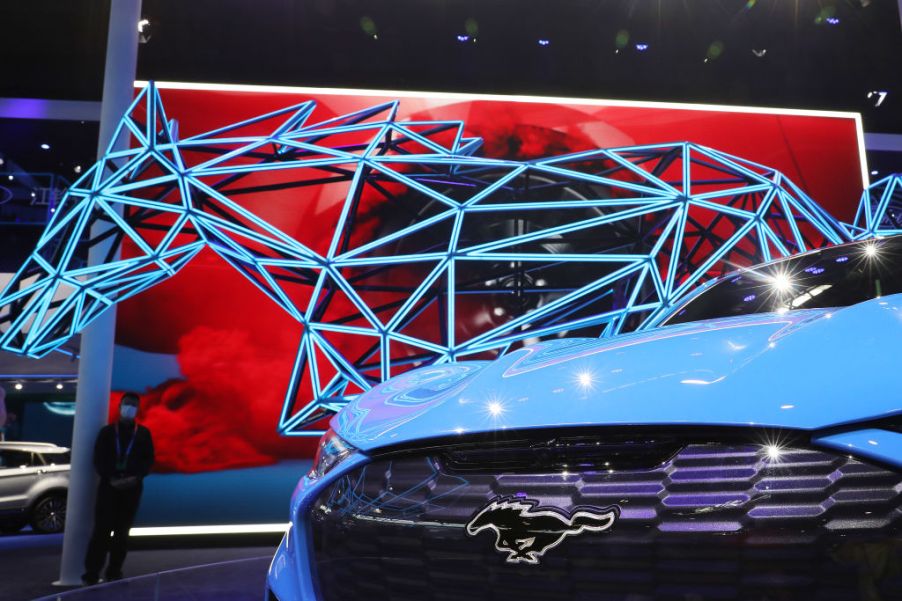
(883, 446)
(821, 370)
(289, 573)
(806, 369)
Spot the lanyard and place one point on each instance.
(120, 460)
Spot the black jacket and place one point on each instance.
(140, 459)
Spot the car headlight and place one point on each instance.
(331, 451)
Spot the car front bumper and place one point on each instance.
(370, 525)
(290, 576)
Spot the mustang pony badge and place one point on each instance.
(525, 532)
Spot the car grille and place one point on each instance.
(708, 521)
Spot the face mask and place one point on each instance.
(128, 412)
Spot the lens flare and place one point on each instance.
(585, 379)
(781, 282)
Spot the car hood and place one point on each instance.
(806, 369)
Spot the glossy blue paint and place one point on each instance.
(282, 576)
(290, 575)
(884, 446)
(803, 369)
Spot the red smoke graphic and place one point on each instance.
(224, 413)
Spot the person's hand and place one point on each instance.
(124, 482)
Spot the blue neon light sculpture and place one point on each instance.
(438, 254)
(880, 210)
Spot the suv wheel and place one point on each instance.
(49, 514)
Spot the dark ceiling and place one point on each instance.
(825, 54)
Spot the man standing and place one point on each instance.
(123, 456)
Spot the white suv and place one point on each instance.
(34, 480)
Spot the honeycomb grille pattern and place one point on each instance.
(715, 521)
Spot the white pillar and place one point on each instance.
(96, 355)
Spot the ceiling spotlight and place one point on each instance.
(878, 96)
(544, 42)
(715, 50)
(463, 38)
(77, 169)
(369, 27)
(18, 386)
(870, 250)
(59, 386)
(874, 172)
(832, 20)
(498, 311)
(45, 146)
(1, 161)
(144, 31)
(759, 53)
(641, 47)
(471, 26)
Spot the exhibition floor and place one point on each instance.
(29, 563)
(237, 580)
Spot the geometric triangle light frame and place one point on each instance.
(437, 253)
(880, 209)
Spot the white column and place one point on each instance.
(96, 355)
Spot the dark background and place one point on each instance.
(818, 54)
(54, 49)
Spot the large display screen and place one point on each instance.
(212, 356)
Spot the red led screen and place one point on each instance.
(234, 348)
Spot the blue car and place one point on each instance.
(748, 449)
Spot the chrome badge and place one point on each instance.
(525, 532)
